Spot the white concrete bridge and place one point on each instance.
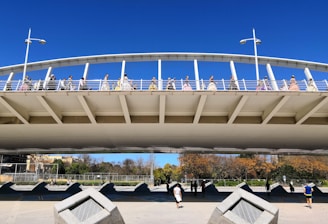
(246, 119)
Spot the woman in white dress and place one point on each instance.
(105, 85)
(212, 86)
(126, 85)
(186, 84)
(311, 86)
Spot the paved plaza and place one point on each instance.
(159, 207)
(22, 212)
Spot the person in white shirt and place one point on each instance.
(177, 195)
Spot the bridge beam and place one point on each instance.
(14, 111)
(87, 109)
(125, 109)
(237, 109)
(200, 108)
(49, 109)
(162, 102)
(270, 112)
(303, 115)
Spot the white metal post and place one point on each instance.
(28, 41)
(160, 82)
(196, 74)
(46, 79)
(122, 74)
(234, 73)
(309, 76)
(8, 81)
(86, 70)
(256, 61)
(272, 78)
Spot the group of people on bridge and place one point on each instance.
(125, 84)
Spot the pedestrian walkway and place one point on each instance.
(159, 207)
(22, 212)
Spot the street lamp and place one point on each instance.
(256, 41)
(28, 41)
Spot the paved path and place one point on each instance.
(21, 212)
(160, 208)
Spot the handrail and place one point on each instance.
(146, 85)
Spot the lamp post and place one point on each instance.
(28, 41)
(256, 41)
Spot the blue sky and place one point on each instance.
(288, 29)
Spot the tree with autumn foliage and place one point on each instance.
(303, 167)
(195, 165)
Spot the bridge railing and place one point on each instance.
(144, 85)
(30, 177)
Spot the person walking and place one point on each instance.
(291, 187)
(267, 187)
(308, 195)
(203, 185)
(195, 187)
(177, 195)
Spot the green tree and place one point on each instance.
(129, 167)
(159, 175)
(77, 168)
(61, 167)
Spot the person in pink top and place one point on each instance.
(293, 86)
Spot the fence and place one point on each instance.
(141, 85)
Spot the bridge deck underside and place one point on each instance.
(164, 121)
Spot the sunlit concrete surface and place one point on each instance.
(243, 120)
(21, 212)
(171, 122)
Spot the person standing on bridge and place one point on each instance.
(232, 84)
(153, 86)
(105, 84)
(70, 83)
(311, 86)
(211, 86)
(126, 84)
(293, 86)
(83, 84)
(186, 84)
(170, 84)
